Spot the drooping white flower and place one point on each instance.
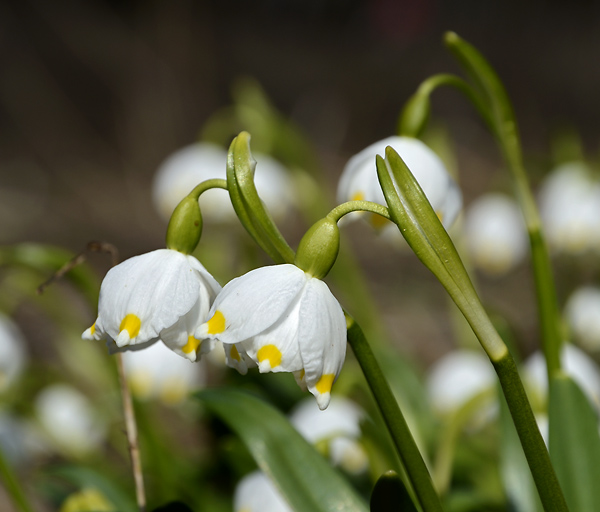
(191, 165)
(257, 493)
(283, 320)
(69, 420)
(495, 234)
(338, 427)
(582, 312)
(157, 372)
(12, 353)
(570, 209)
(359, 178)
(458, 377)
(163, 294)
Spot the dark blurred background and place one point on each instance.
(94, 95)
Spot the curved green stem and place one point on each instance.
(207, 185)
(420, 479)
(358, 206)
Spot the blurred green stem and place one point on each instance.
(420, 482)
(12, 485)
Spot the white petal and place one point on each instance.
(13, 356)
(583, 314)
(257, 493)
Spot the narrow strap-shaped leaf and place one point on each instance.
(302, 475)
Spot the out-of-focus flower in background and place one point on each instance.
(69, 421)
(13, 355)
(495, 234)
(257, 493)
(569, 202)
(582, 312)
(163, 294)
(189, 166)
(87, 500)
(283, 320)
(156, 372)
(336, 430)
(359, 178)
(19, 441)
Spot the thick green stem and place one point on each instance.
(206, 185)
(12, 486)
(408, 451)
(531, 440)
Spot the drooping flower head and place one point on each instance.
(283, 320)
(163, 294)
(12, 353)
(359, 178)
(257, 493)
(582, 312)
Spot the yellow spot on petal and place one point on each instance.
(93, 329)
(216, 324)
(131, 323)
(440, 216)
(234, 354)
(325, 382)
(270, 352)
(358, 196)
(377, 221)
(173, 391)
(302, 374)
(191, 345)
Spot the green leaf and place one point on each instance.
(574, 444)
(173, 506)
(302, 475)
(390, 495)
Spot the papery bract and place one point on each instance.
(283, 320)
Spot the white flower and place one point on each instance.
(359, 178)
(257, 493)
(283, 320)
(12, 353)
(69, 419)
(570, 209)
(576, 363)
(157, 372)
(458, 377)
(495, 233)
(163, 294)
(583, 315)
(338, 427)
(189, 166)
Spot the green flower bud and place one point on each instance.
(185, 226)
(414, 115)
(319, 248)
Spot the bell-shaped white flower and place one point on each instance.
(257, 493)
(582, 312)
(570, 209)
(338, 427)
(189, 166)
(158, 373)
(283, 320)
(359, 178)
(69, 420)
(12, 353)
(163, 294)
(495, 234)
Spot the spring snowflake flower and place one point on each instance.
(283, 320)
(257, 493)
(187, 167)
(163, 294)
(12, 353)
(338, 428)
(495, 234)
(583, 315)
(359, 178)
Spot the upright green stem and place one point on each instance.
(12, 485)
(405, 444)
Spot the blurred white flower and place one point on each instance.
(458, 377)
(257, 493)
(570, 209)
(13, 356)
(69, 420)
(359, 179)
(187, 167)
(495, 234)
(338, 426)
(582, 312)
(18, 440)
(575, 363)
(158, 372)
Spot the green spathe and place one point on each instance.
(319, 248)
(185, 226)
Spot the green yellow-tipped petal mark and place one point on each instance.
(302, 374)
(131, 323)
(270, 352)
(234, 354)
(191, 345)
(93, 329)
(216, 324)
(324, 383)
